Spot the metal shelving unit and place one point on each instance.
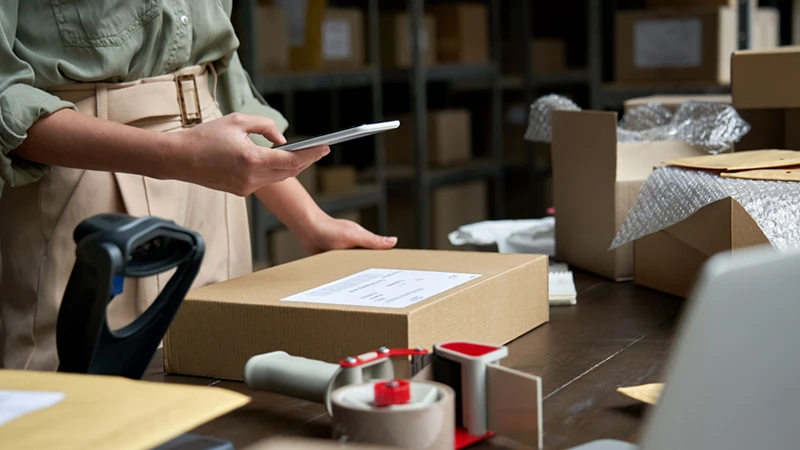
(288, 84)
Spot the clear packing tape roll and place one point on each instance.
(671, 194)
(715, 127)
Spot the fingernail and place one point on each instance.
(390, 240)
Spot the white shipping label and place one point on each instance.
(668, 44)
(383, 288)
(337, 40)
(296, 12)
(15, 404)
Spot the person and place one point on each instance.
(139, 107)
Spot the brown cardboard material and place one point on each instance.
(449, 139)
(548, 56)
(219, 327)
(396, 41)
(596, 180)
(660, 4)
(673, 102)
(284, 247)
(333, 38)
(462, 32)
(272, 39)
(670, 260)
(757, 159)
(685, 45)
(765, 94)
(110, 412)
(336, 180)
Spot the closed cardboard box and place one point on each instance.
(547, 56)
(449, 139)
(673, 102)
(272, 39)
(396, 45)
(284, 247)
(766, 93)
(337, 180)
(685, 45)
(405, 299)
(462, 33)
(596, 180)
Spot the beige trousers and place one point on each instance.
(37, 220)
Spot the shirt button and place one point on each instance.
(184, 20)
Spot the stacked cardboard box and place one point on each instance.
(449, 139)
(685, 41)
(396, 43)
(462, 32)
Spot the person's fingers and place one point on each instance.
(365, 239)
(297, 160)
(259, 125)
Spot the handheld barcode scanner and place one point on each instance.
(111, 247)
(490, 400)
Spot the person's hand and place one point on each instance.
(325, 233)
(219, 155)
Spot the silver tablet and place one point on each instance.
(341, 136)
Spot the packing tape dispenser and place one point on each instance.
(460, 395)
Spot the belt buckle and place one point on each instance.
(188, 119)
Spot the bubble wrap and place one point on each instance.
(670, 195)
(714, 127)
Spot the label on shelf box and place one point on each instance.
(336, 39)
(296, 12)
(668, 43)
(383, 288)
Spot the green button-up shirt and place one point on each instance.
(45, 43)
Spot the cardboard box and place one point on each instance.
(219, 327)
(673, 102)
(272, 39)
(766, 95)
(449, 139)
(462, 33)
(548, 56)
(322, 37)
(336, 180)
(396, 41)
(284, 247)
(450, 208)
(690, 45)
(662, 4)
(596, 180)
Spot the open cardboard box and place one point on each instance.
(334, 305)
(671, 259)
(596, 180)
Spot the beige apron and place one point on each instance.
(37, 220)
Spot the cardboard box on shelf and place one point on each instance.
(272, 39)
(449, 139)
(284, 247)
(548, 56)
(396, 41)
(462, 32)
(596, 180)
(336, 180)
(663, 4)
(766, 93)
(685, 45)
(673, 102)
(488, 298)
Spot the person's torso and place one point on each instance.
(66, 41)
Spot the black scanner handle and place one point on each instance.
(111, 247)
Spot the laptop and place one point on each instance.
(733, 377)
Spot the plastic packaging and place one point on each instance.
(670, 195)
(535, 236)
(714, 127)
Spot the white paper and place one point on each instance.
(383, 288)
(668, 44)
(336, 39)
(561, 285)
(15, 404)
(296, 12)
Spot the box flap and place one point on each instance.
(708, 230)
(766, 78)
(756, 159)
(110, 412)
(514, 405)
(791, 173)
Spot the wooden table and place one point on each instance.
(617, 335)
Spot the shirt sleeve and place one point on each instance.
(21, 104)
(236, 93)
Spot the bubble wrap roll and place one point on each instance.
(670, 195)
